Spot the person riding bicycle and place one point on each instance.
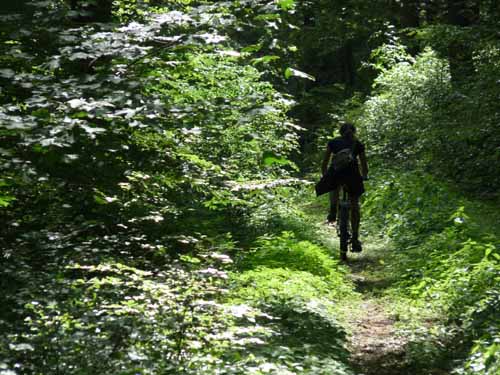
(349, 176)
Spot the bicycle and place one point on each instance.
(343, 223)
(343, 230)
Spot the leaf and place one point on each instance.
(190, 259)
(91, 130)
(290, 72)
(41, 113)
(267, 17)
(262, 111)
(271, 159)
(252, 48)
(76, 103)
(21, 347)
(211, 38)
(286, 4)
(264, 59)
(7, 73)
(18, 123)
(100, 200)
(488, 251)
(79, 56)
(81, 114)
(134, 356)
(53, 64)
(5, 200)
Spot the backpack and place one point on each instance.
(343, 159)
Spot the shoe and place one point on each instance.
(356, 246)
(343, 257)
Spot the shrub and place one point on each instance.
(447, 259)
(287, 252)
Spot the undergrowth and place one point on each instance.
(300, 286)
(447, 261)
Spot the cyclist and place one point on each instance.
(350, 177)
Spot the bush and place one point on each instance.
(287, 252)
(447, 260)
(303, 310)
(419, 117)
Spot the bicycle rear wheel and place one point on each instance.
(344, 229)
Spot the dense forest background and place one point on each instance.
(156, 198)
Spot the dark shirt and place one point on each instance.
(339, 143)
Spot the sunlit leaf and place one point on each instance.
(7, 73)
(286, 4)
(265, 59)
(290, 72)
(270, 158)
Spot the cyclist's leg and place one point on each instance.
(355, 220)
(334, 201)
(356, 189)
(355, 215)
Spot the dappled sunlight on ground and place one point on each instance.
(376, 344)
(377, 320)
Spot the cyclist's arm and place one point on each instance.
(364, 164)
(326, 159)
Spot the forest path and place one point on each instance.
(376, 344)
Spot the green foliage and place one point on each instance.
(140, 136)
(286, 252)
(142, 140)
(111, 318)
(400, 119)
(448, 262)
(422, 117)
(418, 116)
(134, 144)
(132, 10)
(304, 315)
(303, 300)
(409, 204)
(298, 285)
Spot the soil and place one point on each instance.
(376, 346)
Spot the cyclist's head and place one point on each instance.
(347, 129)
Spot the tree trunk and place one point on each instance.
(409, 13)
(493, 10)
(461, 13)
(101, 12)
(348, 69)
(432, 10)
(18, 6)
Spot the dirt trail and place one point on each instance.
(376, 346)
(373, 343)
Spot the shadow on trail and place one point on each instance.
(376, 346)
(393, 363)
(371, 285)
(369, 273)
